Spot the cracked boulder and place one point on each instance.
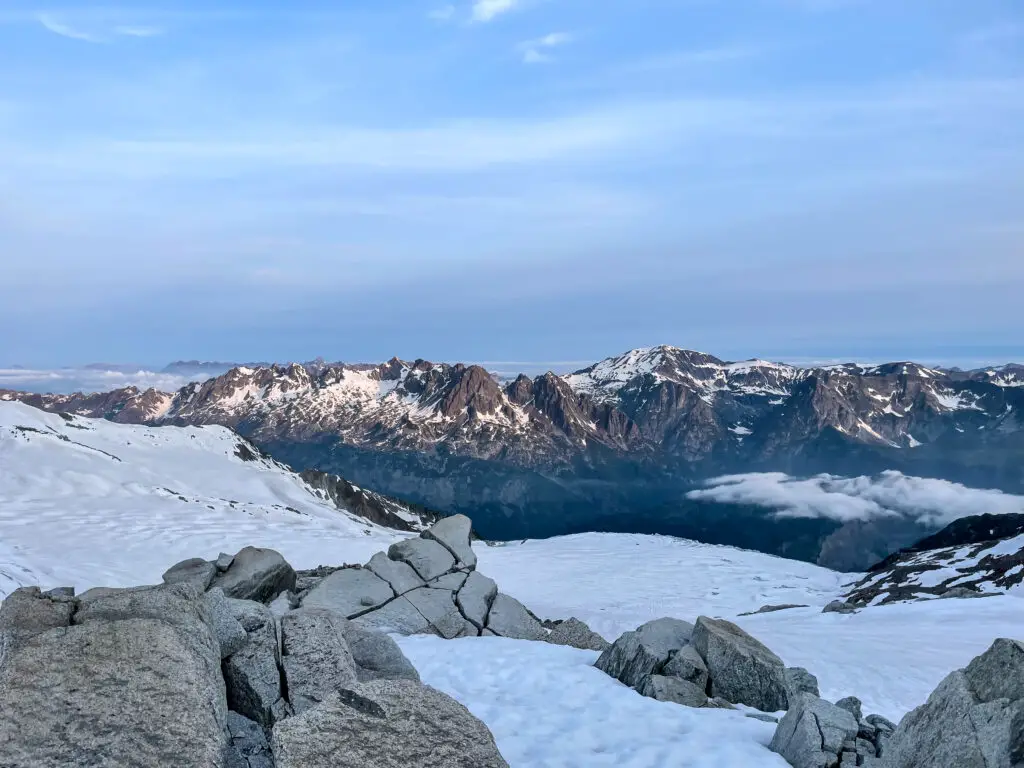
(973, 719)
(27, 612)
(248, 746)
(256, 574)
(510, 618)
(427, 557)
(253, 674)
(377, 656)
(644, 651)
(438, 607)
(315, 658)
(687, 664)
(742, 669)
(350, 592)
(400, 576)
(475, 598)
(813, 733)
(195, 571)
(123, 687)
(386, 724)
(577, 634)
(673, 689)
(453, 533)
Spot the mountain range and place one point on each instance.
(615, 446)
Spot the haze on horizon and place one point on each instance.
(511, 180)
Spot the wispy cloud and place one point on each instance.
(65, 30)
(891, 494)
(131, 31)
(535, 51)
(487, 10)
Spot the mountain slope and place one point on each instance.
(613, 446)
(144, 490)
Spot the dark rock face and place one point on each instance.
(613, 446)
(973, 559)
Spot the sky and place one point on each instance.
(511, 180)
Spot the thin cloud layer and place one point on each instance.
(924, 500)
(67, 380)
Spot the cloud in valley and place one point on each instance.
(927, 501)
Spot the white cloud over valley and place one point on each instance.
(925, 500)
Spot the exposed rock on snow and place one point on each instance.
(645, 651)
(476, 597)
(510, 618)
(813, 733)
(839, 606)
(687, 664)
(170, 675)
(428, 558)
(799, 680)
(974, 718)
(454, 534)
(400, 576)
(673, 689)
(742, 670)
(575, 633)
(196, 570)
(382, 724)
(256, 574)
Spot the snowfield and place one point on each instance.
(88, 503)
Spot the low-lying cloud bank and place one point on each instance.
(67, 380)
(926, 501)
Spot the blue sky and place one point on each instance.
(511, 180)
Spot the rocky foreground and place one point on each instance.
(245, 663)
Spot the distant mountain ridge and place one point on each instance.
(611, 446)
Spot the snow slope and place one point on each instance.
(89, 503)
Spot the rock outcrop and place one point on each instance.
(577, 634)
(225, 665)
(382, 724)
(974, 719)
(712, 663)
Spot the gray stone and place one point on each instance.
(315, 657)
(451, 581)
(475, 598)
(673, 689)
(487, 633)
(350, 592)
(852, 705)
(577, 634)
(249, 743)
(223, 562)
(974, 719)
(428, 558)
(839, 606)
(196, 571)
(252, 674)
(764, 717)
(283, 603)
(377, 656)
(687, 664)
(509, 618)
(644, 651)
(306, 583)
(716, 702)
(386, 724)
(880, 723)
(96, 592)
(961, 592)
(229, 631)
(742, 670)
(117, 693)
(438, 607)
(26, 613)
(399, 575)
(453, 533)
(398, 616)
(812, 733)
(60, 592)
(799, 680)
(469, 629)
(256, 574)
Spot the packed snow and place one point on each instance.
(88, 503)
